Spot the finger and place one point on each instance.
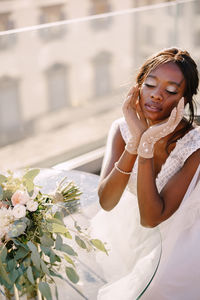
(126, 103)
(130, 92)
(140, 113)
(172, 117)
(180, 111)
(131, 98)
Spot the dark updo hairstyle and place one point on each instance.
(189, 69)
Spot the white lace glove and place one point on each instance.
(158, 131)
(135, 119)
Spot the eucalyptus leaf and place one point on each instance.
(31, 174)
(17, 229)
(32, 247)
(45, 290)
(69, 260)
(11, 264)
(59, 242)
(25, 220)
(46, 240)
(46, 250)
(49, 252)
(21, 253)
(4, 274)
(13, 275)
(59, 215)
(72, 275)
(54, 258)
(3, 178)
(80, 242)
(35, 259)
(1, 193)
(44, 267)
(30, 275)
(99, 245)
(77, 226)
(28, 180)
(18, 243)
(55, 220)
(68, 249)
(3, 254)
(55, 274)
(57, 228)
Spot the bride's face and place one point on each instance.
(161, 91)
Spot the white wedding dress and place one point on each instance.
(160, 263)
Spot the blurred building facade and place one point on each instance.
(55, 75)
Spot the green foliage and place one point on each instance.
(45, 290)
(34, 246)
(28, 179)
(99, 245)
(72, 275)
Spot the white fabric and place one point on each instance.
(135, 250)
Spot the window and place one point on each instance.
(100, 7)
(6, 23)
(10, 117)
(50, 14)
(57, 85)
(102, 76)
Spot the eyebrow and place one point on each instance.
(172, 82)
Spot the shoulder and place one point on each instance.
(188, 144)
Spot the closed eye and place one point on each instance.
(149, 85)
(170, 92)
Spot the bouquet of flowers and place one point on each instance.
(33, 235)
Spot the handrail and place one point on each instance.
(94, 17)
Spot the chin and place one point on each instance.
(156, 117)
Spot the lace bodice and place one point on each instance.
(184, 148)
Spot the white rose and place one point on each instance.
(19, 211)
(6, 220)
(32, 205)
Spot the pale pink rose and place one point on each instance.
(19, 197)
(32, 205)
(19, 211)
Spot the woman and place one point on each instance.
(153, 154)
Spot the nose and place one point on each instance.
(156, 95)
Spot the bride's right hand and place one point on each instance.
(135, 119)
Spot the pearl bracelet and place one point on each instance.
(121, 171)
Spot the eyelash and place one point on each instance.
(152, 86)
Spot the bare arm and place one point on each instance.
(155, 207)
(112, 182)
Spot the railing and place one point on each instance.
(62, 84)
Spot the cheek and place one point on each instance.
(143, 95)
(168, 107)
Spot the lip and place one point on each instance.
(153, 107)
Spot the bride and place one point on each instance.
(149, 187)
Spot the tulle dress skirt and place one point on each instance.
(134, 251)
